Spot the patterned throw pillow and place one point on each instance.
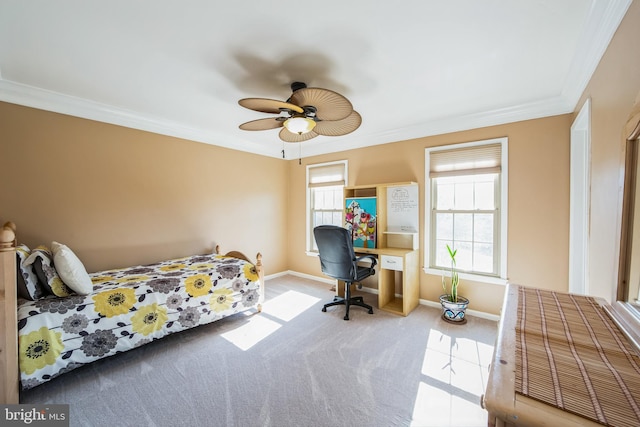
(41, 259)
(28, 286)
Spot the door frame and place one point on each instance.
(580, 204)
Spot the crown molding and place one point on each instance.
(533, 110)
(52, 101)
(30, 96)
(604, 19)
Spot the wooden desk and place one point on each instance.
(393, 262)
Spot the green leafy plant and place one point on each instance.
(453, 295)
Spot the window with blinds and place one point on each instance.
(466, 183)
(325, 193)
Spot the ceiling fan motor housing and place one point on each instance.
(297, 86)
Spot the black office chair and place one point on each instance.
(338, 260)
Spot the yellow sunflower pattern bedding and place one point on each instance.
(128, 308)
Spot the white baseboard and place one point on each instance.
(303, 275)
(273, 276)
(429, 303)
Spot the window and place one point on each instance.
(325, 192)
(466, 204)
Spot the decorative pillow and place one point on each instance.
(22, 286)
(70, 269)
(28, 286)
(42, 260)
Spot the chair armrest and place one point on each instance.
(372, 258)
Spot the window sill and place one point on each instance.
(468, 276)
(312, 253)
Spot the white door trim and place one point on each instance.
(579, 205)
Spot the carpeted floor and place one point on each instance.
(291, 365)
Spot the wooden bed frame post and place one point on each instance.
(9, 390)
(260, 269)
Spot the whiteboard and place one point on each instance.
(402, 208)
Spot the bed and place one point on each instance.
(124, 309)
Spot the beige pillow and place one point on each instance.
(70, 269)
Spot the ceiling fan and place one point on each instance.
(309, 112)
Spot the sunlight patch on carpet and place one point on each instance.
(289, 305)
(431, 407)
(453, 379)
(249, 334)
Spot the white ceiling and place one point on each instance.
(411, 69)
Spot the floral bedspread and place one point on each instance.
(128, 308)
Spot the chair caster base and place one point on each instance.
(349, 302)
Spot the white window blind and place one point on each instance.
(327, 175)
(473, 160)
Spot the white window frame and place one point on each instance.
(503, 212)
(309, 213)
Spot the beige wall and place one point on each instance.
(120, 197)
(613, 90)
(538, 224)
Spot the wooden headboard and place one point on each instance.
(9, 393)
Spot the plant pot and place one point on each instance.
(454, 311)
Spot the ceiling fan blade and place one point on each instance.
(268, 105)
(262, 124)
(339, 127)
(329, 105)
(287, 136)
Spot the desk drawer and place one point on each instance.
(389, 262)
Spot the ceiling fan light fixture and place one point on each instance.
(299, 125)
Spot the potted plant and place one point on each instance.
(453, 305)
